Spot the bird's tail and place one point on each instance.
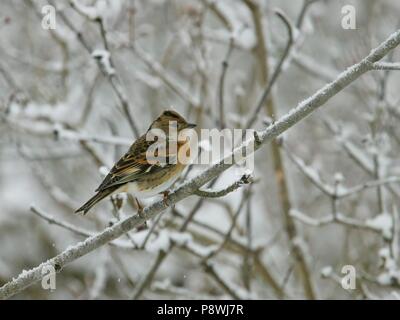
(93, 200)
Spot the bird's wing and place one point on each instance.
(133, 165)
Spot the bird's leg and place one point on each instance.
(140, 211)
(139, 207)
(165, 197)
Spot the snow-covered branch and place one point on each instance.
(69, 134)
(245, 179)
(380, 224)
(386, 66)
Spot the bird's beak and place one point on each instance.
(191, 125)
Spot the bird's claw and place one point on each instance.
(143, 226)
(165, 197)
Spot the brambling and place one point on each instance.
(140, 175)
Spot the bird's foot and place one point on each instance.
(139, 206)
(143, 226)
(165, 197)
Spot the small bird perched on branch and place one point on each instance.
(143, 176)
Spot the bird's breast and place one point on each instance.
(152, 184)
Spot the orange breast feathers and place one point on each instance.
(184, 151)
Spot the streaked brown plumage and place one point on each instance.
(135, 174)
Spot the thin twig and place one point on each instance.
(245, 179)
(159, 70)
(77, 230)
(213, 253)
(221, 87)
(386, 66)
(277, 70)
(151, 231)
(112, 77)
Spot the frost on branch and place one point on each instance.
(391, 274)
(326, 272)
(384, 223)
(103, 57)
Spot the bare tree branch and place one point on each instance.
(386, 66)
(245, 179)
(277, 70)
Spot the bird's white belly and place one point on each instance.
(132, 188)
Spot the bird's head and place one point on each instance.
(171, 119)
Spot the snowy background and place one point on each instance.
(334, 178)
